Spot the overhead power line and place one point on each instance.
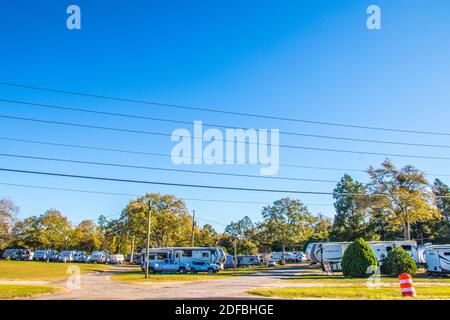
(137, 195)
(220, 111)
(201, 186)
(144, 153)
(249, 142)
(161, 169)
(115, 114)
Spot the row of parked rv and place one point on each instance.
(436, 258)
(63, 256)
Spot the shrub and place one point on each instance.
(398, 261)
(357, 260)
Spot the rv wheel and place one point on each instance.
(193, 270)
(210, 271)
(182, 270)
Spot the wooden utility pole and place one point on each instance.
(193, 229)
(147, 248)
(132, 250)
(235, 260)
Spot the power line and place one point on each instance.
(40, 142)
(33, 104)
(189, 185)
(137, 195)
(234, 113)
(249, 142)
(161, 169)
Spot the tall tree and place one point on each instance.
(287, 222)
(8, 213)
(87, 236)
(406, 192)
(243, 232)
(207, 236)
(351, 219)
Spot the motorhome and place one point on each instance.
(331, 253)
(246, 261)
(188, 255)
(23, 254)
(66, 256)
(45, 255)
(438, 259)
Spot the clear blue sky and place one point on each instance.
(303, 59)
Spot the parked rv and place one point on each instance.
(115, 259)
(10, 254)
(45, 255)
(98, 257)
(229, 263)
(24, 255)
(331, 253)
(421, 252)
(310, 252)
(271, 263)
(246, 261)
(188, 255)
(438, 259)
(66, 256)
(80, 256)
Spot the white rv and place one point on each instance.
(45, 255)
(310, 252)
(66, 256)
(438, 259)
(80, 256)
(116, 259)
(245, 261)
(188, 255)
(98, 257)
(331, 253)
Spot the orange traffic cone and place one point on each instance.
(406, 285)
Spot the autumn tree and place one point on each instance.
(87, 236)
(407, 194)
(8, 213)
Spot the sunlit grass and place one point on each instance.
(32, 270)
(8, 291)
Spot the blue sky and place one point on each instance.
(303, 59)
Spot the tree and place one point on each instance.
(8, 213)
(406, 192)
(351, 219)
(87, 236)
(322, 228)
(170, 222)
(287, 221)
(207, 236)
(243, 232)
(358, 260)
(49, 230)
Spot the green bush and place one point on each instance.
(357, 260)
(398, 261)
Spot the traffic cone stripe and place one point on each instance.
(405, 281)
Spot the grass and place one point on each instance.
(138, 276)
(51, 271)
(352, 292)
(9, 291)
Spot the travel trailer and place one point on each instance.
(116, 259)
(98, 257)
(310, 252)
(438, 259)
(80, 256)
(246, 261)
(188, 255)
(45, 255)
(229, 263)
(66, 256)
(10, 254)
(331, 253)
(421, 252)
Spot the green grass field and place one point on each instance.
(31, 270)
(352, 292)
(9, 291)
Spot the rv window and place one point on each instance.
(388, 249)
(162, 256)
(407, 248)
(446, 253)
(187, 253)
(205, 254)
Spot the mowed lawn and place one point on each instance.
(322, 286)
(43, 271)
(9, 291)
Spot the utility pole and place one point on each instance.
(235, 260)
(147, 248)
(193, 227)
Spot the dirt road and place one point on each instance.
(100, 286)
